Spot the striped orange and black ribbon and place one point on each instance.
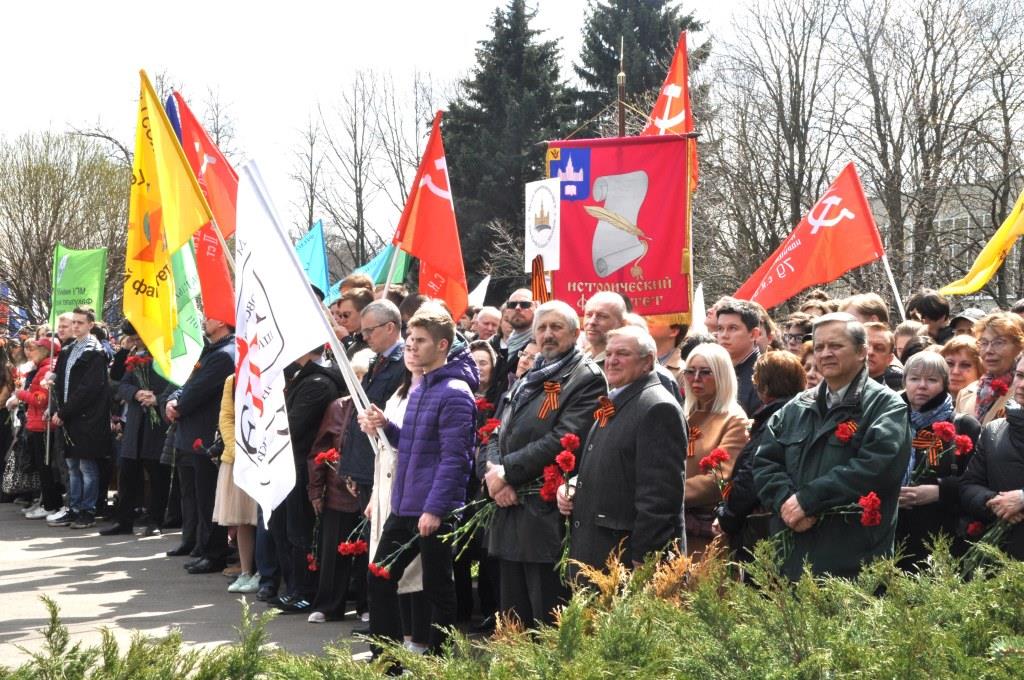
(930, 442)
(551, 391)
(691, 445)
(605, 410)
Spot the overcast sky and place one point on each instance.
(76, 63)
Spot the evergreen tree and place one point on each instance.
(513, 100)
(649, 31)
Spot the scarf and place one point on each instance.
(518, 340)
(77, 350)
(987, 397)
(924, 419)
(542, 371)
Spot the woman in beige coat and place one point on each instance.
(1000, 340)
(715, 420)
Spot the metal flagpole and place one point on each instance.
(392, 267)
(895, 290)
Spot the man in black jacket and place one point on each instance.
(555, 398)
(628, 494)
(195, 406)
(307, 395)
(739, 328)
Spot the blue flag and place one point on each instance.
(312, 252)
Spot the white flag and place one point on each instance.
(278, 319)
(476, 297)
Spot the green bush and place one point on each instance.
(674, 619)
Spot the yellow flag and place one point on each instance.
(991, 257)
(165, 208)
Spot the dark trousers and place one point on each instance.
(300, 521)
(415, 617)
(438, 584)
(266, 555)
(487, 584)
(35, 443)
(187, 495)
(531, 591)
(131, 486)
(335, 569)
(211, 538)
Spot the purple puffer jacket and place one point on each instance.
(435, 441)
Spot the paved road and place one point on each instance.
(126, 584)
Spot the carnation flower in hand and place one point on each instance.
(964, 445)
(871, 515)
(197, 445)
(944, 430)
(566, 461)
(570, 442)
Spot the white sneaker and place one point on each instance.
(250, 584)
(38, 513)
(54, 515)
(317, 617)
(243, 579)
(31, 508)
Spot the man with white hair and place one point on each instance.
(628, 494)
(604, 312)
(557, 397)
(486, 322)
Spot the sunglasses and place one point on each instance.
(695, 373)
(519, 304)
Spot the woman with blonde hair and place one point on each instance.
(1000, 339)
(715, 420)
(964, 362)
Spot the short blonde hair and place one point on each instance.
(723, 373)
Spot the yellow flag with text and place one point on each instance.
(165, 208)
(991, 257)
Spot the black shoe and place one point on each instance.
(84, 520)
(115, 529)
(281, 600)
(266, 593)
(196, 552)
(192, 562)
(299, 605)
(205, 566)
(151, 530)
(180, 550)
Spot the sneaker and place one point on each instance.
(38, 513)
(31, 508)
(84, 520)
(250, 586)
(243, 579)
(62, 518)
(317, 617)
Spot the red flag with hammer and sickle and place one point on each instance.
(837, 235)
(672, 113)
(427, 229)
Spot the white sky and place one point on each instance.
(68, 64)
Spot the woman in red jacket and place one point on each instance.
(43, 353)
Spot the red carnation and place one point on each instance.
(489, 426)
(380, 572)
(328, 456)
(999, 387)
(549, 492)
(964, 445)
(566, 460)
(944, 430)
(871, 504)
(845, 431)
(484, 406)
(570, 442)
(311, 562)
(975, 529)
(361, 547)
(130, 364)
(197, 445)
(344, 548)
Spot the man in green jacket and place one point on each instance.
(829, 447)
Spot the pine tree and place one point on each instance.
(513, 100)
(649, 31)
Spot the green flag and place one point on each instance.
(79, 278)
(188, 334)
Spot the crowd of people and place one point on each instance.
(528, 441)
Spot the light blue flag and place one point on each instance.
(312, 252)
(377, 268)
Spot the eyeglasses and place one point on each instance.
(697, 373)
(997, 344)
(519, 304)
(795, 337)
(369, 329)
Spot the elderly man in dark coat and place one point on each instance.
(555, 398)
(628, 494)
(828, 448)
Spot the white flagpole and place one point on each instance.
(895, 290)
(392, 266)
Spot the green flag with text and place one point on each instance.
(79, 278)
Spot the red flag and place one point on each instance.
(837, 235)
(427, 229)
(672, 112)
(219, 183)
(623, 222)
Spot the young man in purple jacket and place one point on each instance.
(435, 443)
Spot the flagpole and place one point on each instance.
(895, 290)
(224, 247)
(392, 267)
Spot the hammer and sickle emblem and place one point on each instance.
(821, 219)
(664, 124)
(428, 181)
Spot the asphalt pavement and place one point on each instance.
(126, 584)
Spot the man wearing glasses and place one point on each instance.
(519, 313)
